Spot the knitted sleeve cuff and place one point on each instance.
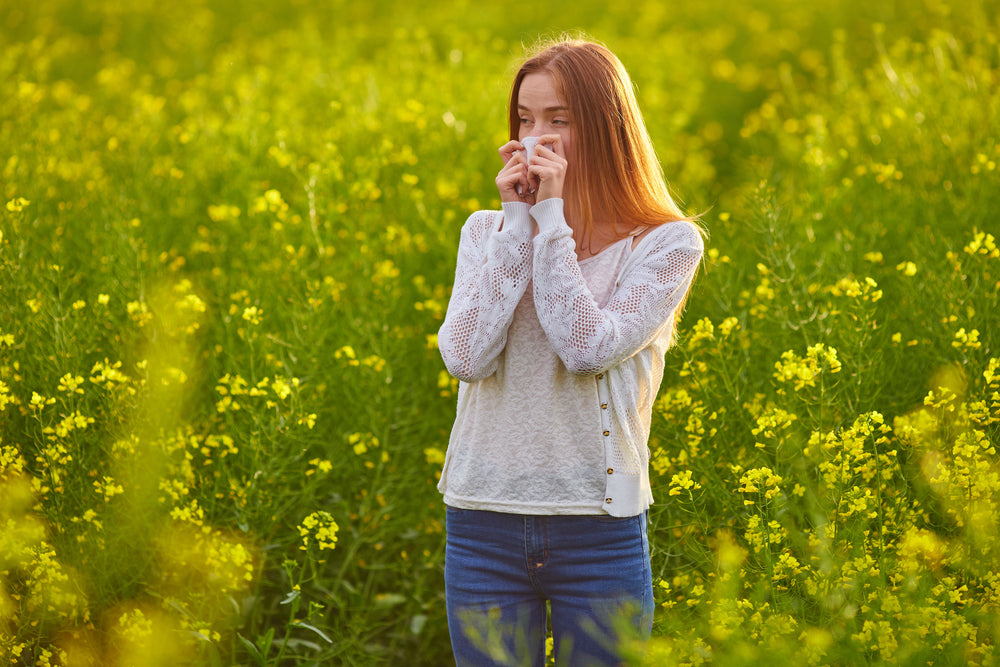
(516, 220)
(549, 216)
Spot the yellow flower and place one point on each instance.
(346, 352)
(682, 482)
(434, 455)
(135, 626)
(322, 465)
(983, 244)
(273, 197)
(803, 371)
(729, 325)
(281, 388)
(5, 398)
(702, 330)
(69, 383)
(139, 312)
(968, 340)
(755, 479)
(252, 314)
(991, 373)
(318, 528)
(17, 204)
(108, 488)
(219, 213)
(37, 400)
(385, 270)
(873, 257)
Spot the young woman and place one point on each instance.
(563, 307)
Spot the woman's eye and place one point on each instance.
(524, 120)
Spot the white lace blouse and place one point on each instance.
(504, 453)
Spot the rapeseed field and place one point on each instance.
(227, 240)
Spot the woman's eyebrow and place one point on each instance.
(547, 109)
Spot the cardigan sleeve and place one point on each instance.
(590, 339)
(492, 273)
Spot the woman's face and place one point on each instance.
(542, 111)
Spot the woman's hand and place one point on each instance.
(547, 169)
(512, 181)
(535, 181)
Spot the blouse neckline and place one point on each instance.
(616, 244)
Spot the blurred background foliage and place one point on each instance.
(228, 240)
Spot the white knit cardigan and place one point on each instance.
(621, 345)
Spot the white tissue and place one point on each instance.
(529, 146)
(529, 150)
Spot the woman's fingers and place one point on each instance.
(509, 149)
(540, 178)
(553, 143)
(512, 181)
(547, 169)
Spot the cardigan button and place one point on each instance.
(607, 500)
(604, 406)
(607, 433)
(610, 470)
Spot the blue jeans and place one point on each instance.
(500, 569)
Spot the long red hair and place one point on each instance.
(615, 171)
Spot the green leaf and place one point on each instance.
(252, 650)
(300, 624)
